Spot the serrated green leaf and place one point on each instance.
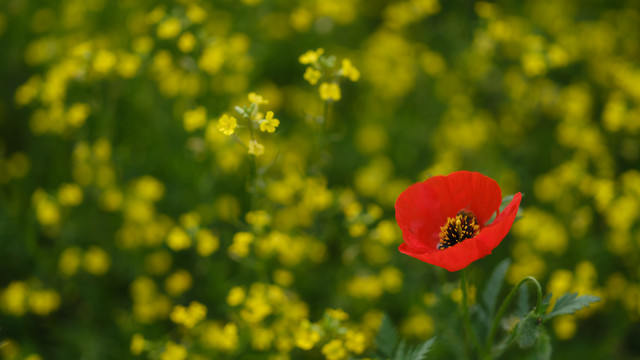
(387, 337)
(493, 287)
(401, 351)
(420, 351)
(570, 303)
(528, 331)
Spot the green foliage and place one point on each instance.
(569, 304)
(493, 286)
(389, 346)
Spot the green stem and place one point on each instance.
(467, 319)
(505, 304)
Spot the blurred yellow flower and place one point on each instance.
(137, 344)
(186, 42)
(173, 351)
(312, 75)
(96, 261)
(257, 99)
(310, 57)
(194, 119)
(330, 91)
(236, 296)
(349, 71)
(334, 350)
(169, 28)
(178, 282)
(255, 148)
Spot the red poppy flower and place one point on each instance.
(444, 219)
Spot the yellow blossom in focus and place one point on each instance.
(312, 75)
(255, 148)
(169, 28)
(257, 99)
(70, 195)
(96, 261)
(137, 344)
(330, 91)
(227, 124)
(269, 124)
(186, 42)
(349, 71)
(178, 282)
(173, 351)
(194, 119)
(310, 56)
(334, 350)
(70, 260)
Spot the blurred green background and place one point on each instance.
(121, 203)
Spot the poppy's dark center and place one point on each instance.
(457, 229)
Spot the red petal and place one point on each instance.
(424, 207)
(459, 256)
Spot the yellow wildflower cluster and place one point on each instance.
(321, 67)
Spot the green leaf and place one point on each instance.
(528, 331)
(387, 337)
(493, 287)
(420, 351)
(569, 304)
(543, 347)
(400, 353)
(523, 301)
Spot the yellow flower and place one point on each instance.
(227, 124)
(334, 350)
(269, 124)
(137, 344)
(194, 119)
(349, 71)
(178, 239)
(96, 261)
(186, 42)
(70, 195)
(257, 99)
(236, 296)
(310, 56)
(173, 351)
(355, 341)
(169, 28)
(178, 282)
(330, 91)
(312, 75)
(207, 242)
(255, 148)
